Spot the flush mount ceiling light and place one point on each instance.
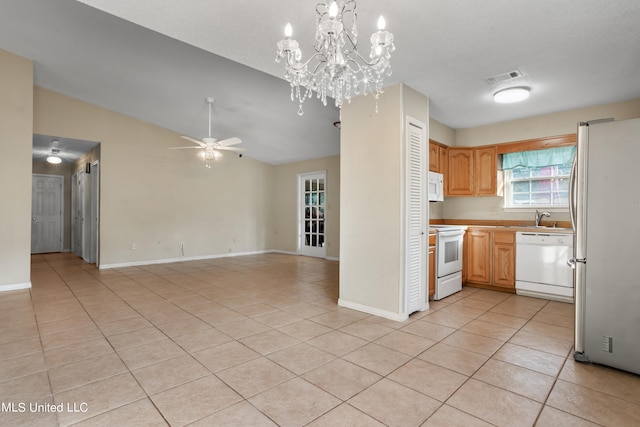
(511, 95)
(336, 69)
(53, 158)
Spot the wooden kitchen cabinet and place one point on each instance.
(434, 157)
(504, 259)
(490, 258)
(438, 157)
(443, 153)
(432, 265)
(460, 171)
(485, 163)
(472, 171)
(478, 259)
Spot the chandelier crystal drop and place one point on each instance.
(336, 69)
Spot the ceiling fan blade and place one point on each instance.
(195, 141)
(229, 141)
(231, 148)
(182, 148)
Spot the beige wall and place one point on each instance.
(157, 198)
(490, 208)
(441, 132)
(16, 133)
(285, 204)
(371, 170)
(545, 125)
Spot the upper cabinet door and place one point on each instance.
(485, 161)
(434, 157)
(460, 171)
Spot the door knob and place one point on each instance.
(34, 218)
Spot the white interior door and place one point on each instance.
(80, 215)
(416, 218)
(311, 228)
(46, 213)
(74, 211)
(94, 195)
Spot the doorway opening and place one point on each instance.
(79, 213)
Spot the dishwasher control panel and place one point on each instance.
(544, 238)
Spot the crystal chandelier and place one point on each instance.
(336, 69)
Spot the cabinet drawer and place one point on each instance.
(508, 237)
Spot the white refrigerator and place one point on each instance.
(605, 210)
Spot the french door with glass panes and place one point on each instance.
(311, 229)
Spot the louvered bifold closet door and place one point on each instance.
(415, 202)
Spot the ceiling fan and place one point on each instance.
(210, 146)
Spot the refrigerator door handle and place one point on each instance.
(572, 194)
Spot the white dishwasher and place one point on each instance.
(541, 265)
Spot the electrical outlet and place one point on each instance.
(133, 246)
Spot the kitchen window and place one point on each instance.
(538, 179)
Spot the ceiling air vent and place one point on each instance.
(499, 78)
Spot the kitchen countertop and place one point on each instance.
(511, 227)
(531, 228)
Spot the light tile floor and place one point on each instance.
(260, 341)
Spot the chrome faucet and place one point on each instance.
(539, 217)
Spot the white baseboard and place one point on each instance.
(277, 251)
(197, 258)
(398, 317)
(15, 286)
(194, 258)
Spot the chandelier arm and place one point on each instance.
(375, 61)
(302, 65)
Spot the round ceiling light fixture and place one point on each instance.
(511, 95)
(54, 158)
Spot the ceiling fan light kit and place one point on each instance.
(210, 146)
(336, 69)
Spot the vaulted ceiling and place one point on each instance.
(157, 60)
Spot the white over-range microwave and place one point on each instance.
(436, 187)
